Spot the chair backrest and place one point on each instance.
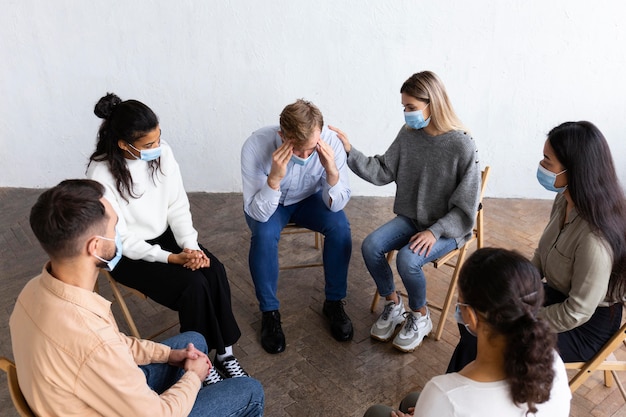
(18, 399)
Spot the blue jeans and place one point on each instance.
(231, 397)
(313, 214)
(395, 235)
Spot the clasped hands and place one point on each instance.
(190, 258)
(191, 359)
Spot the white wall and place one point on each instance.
(216, 70)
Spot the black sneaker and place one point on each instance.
(230, 367)
(272, 336)
(213, 378)
(340, 324)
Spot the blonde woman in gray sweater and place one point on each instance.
(434, 163)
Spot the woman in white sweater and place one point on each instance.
(517, 371)
(162, 257)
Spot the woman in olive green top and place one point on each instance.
(582, 252)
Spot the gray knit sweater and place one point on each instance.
(437, 179)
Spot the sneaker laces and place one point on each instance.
(411, 321)
(213, 377)
(232, 368)
(387, 310)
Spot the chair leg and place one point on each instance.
(451, 291)
(375, 301)
(122, 303)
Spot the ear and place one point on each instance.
(91, 246)
(472, 319)
(122, 145)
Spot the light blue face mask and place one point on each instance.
(548, 178)
(118, 251)
(146, 154)
(415, 119)
(301, 161)
(459, 317)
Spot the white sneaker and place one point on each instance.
(392, 315)
(415, 328)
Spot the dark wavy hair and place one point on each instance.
(506, 291)
(129, 121)
(595, 190)
(65, 213)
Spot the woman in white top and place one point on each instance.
(516, 372)
(161, 255)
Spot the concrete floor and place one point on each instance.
(315, 375)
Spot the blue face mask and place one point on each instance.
(459, 318)
(548, 178)
(415, 119)
(146, 154)
(301, 161)
(118, 251)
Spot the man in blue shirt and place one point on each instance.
(297, 172)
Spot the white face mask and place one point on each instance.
(301, 161)
(146, 154)
(118, 251)
(459, 317)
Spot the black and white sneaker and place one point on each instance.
(230, 367)
(213, 378)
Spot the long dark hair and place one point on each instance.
(505, 289)
(595, 190)
(129, 121)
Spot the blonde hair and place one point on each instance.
(298, 120)
(427, 87)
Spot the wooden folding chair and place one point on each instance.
(19, 402)
(120, 296)
(605, 361)
(292, 228)
(448, 260)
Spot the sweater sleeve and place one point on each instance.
(378, 169)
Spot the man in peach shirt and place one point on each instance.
(71, 358)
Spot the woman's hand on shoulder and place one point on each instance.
(342, 137)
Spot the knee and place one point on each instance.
(339, 227)
(370, 248)
(197, 339)
(407, 261)
(378, 410)
(409, 401)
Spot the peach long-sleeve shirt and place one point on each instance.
(73, 361)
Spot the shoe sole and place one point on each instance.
(414, 345)
(391, 335)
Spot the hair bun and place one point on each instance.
(105, 105)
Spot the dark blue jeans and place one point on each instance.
(231, 397)
(313, 214)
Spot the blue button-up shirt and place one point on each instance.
(300, 181)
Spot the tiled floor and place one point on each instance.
(315, 375)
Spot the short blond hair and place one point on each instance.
(427, 87)
(298, 120)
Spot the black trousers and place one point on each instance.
(201, 297)
(577, 345)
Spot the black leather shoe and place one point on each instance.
(340, 324)
(272, 336)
